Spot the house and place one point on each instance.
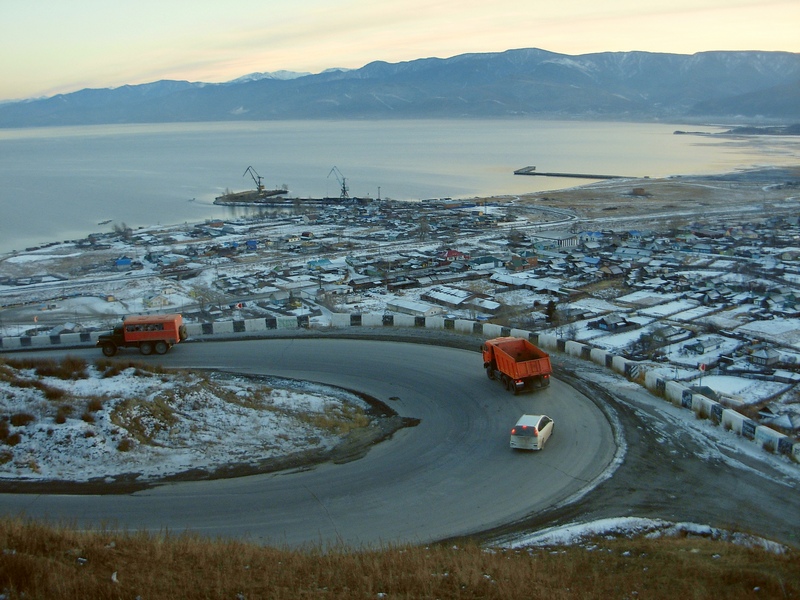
(485, 305)
(450, 256)
(611, 323)
(701, 346)
(411, 307)
(670, 335)
(485, 262)
(765, 357)
(447, 296)
(554, 239)
(159, 300)
(123, 263)
(625, 253)
(518, 263)
(611, 271)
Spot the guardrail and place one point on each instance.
(673, 391)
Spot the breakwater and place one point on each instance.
(533, 171)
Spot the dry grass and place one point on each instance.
(340, 419)
(38, 561)
(69, 368)
(144, 419)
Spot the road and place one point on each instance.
(451, 475)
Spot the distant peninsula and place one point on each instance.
(749, 130)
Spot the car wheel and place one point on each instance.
(146, 348)
(161, 347)
(490, 372)
(109, 349)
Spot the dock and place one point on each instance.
(533, 171)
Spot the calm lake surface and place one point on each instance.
(60, 183)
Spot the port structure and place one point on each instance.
(344, 192)
(256, 178)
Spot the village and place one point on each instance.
(710, 300)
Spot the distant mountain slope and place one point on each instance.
(527, 82)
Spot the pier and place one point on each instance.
(533, 171)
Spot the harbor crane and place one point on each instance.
(256, 178)
(343, 194)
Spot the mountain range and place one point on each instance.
(743, 85)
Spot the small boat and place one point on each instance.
(106, 222)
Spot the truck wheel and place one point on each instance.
(109, 349)
(490, 372)
(161, 347)
(146, 348)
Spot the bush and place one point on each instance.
(51, 393)
(95, 404)
(125, 445)
(22, 419)
(62, 413)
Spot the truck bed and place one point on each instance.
(520, 359)
(519, 351)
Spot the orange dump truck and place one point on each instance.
(517, 363)
(149, 333)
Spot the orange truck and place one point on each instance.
(518, 364)
(149, 333)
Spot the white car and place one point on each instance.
(531, 432)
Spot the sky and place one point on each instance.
(58, 46)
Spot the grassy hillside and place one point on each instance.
(39, 561)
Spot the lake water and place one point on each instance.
(60, 183)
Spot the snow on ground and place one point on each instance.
(158, 424)
(694, 314)
(645, 298)
(780, 330)
(38, 257)
(750, 391)
(628, 527)
(668, 309)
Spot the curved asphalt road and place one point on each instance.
(452, 475)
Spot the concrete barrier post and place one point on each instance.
(223, 327)
(490, 330)
(254, 325)
(598, 356)
(521, 333)
(618, 365)
(573, 348)
(673, 391)
(768, 439)
(401, 320)
(434, 323)
(372, 320)
(340, 320)
(548, 342)
(464, 326)
(733, 420)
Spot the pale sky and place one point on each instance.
(57, 46)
